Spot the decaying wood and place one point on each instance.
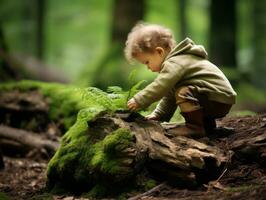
(251, 148)
(29, 140)
(175, 158)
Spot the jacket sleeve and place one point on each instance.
(164, 82)
(166, 107)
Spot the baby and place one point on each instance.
(186, 79)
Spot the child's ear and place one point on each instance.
(160, 51)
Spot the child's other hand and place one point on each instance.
(132, 104)
(152, 117)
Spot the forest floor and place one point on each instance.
(24, 178)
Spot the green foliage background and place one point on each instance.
(77, 37)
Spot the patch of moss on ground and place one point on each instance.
(105, 151)
(149, 184)
(3, 196)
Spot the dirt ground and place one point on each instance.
(24, 178)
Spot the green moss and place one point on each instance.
(3, 196)
(79, 161)
(96, 192)
(58, 189)
(149, 184)
(104, 151)
(66, 101)
(84, 157)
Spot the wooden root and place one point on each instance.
(28, 140)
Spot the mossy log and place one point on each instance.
(114, 149)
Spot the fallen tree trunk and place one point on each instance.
(23, 67)
(178, 157)
(116, 148)
(27, 140)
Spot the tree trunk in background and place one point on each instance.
(6, 71)
(40, 17)
(259, 41)
(223, 32)
(182, 18)
(126, 13)
(33, 17)
(27, 29)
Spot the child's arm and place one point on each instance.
(170, 74)
(132, 104)
(166, 107)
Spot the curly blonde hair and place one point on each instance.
(146, 37)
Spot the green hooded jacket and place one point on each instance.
(186, 65)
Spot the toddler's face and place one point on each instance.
(152, 60)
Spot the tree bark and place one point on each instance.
(166, 155)
(115, 160)
(172, 156)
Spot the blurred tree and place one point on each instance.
(259, 43)
(32, 19)
(182, 18)
(125, 15)
(40, 17)
(223, 32)
(26, 22)
(6, 71)
(16, 67)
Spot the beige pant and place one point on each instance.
(188, 99)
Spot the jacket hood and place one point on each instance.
(187, 46)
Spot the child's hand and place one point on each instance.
(132, 104)
(152, 117)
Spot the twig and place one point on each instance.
(149, 192)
